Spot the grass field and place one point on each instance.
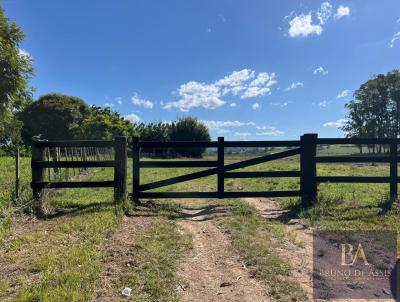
(65, 252)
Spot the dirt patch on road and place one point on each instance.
(213, 271)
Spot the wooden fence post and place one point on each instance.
(393, 172)
(17, 173)
(308, 169)
(120, 168)
(135, 169)
(221, 162)
(38, 154)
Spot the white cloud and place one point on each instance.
(280, 104)
(109, 105)
(194, 94)
(269, 131)
(323, 104)
(255, 106)
(343, 94)
(302, 26)
(133, 118)
(396, 37)
(320, 70)
(136, 100)
(252, 92)
(118, 99)
(324, 12)
(236, 78)
(342, 11)
(213, 125)
(294, 86)
(337, 124)
(232, 105)
(245, 83)
(243, 134)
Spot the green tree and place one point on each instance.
(375, 110)
(189, 129)
(53, 117)
(16, 70)
(102, 123)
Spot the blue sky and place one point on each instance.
(251, 69)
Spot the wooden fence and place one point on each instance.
(81, 158)
(305, 148)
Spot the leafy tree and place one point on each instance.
(53, 117)
(375, 110)
(102, 123)
(160, 131)
(189, 129)
(16, 70)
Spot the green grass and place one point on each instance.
(259, 242)
(153, 275)
(66, 256)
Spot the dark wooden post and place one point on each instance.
(120, 168)
(221, 162)
(17, 173)
(393, 172)
(136, 169)
(38, 174)
(308, 169)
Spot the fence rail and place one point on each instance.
(305, 149)
(39, 165)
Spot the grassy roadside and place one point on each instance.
(153, 275)
(258, 241)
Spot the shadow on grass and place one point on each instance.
(174, 210)
(78, 209)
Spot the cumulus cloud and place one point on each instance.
(213, 125)
(337, 124)
(324, 12)
(396, 37)
(302, 26)
(294, 86)
(245, 83)
(136, 100)
(343, 94)
(194, 94)
(320, 70)
(232, 105)
(133, 118)
(342, 11)
(109, 105)
(118, 99)
(269, 131)
(255, 106)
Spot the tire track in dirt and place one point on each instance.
(213, 271)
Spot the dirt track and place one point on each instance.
(213, 271)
